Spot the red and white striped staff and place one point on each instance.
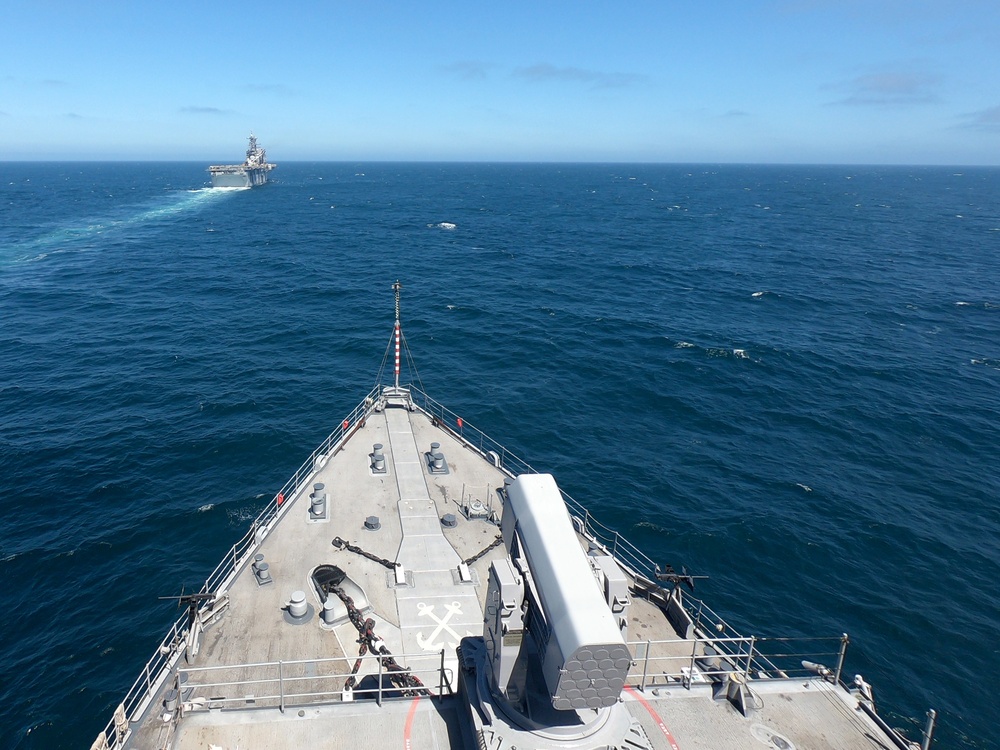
(396, 287)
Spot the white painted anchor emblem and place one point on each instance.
(428, 644)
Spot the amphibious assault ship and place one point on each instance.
(415, 585)
(250, 173)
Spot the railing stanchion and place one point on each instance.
(691, 667)
(929, 730)
(379, 699)
(281, 688)
(746, 673)
(441, 677)
(645, 667)
(840, 659)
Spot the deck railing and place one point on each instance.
(286, 684)
(680, 662)
(700, 659)
(159, 667)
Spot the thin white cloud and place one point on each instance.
(542, 72)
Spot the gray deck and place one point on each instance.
(431, 612)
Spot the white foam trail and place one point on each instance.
(64, 238)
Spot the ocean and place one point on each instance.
(785, 378)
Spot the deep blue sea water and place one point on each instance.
(784, 378)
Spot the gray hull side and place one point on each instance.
(243, 178)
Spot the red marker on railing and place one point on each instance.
(280, 498)
(347, 423)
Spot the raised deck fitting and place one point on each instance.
(378, 465)
(475, 509)
(298, 611)
(318, 503)
(436, 463)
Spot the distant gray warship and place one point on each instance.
(250, 173)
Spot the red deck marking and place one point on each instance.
(409, 723)
(656, 717)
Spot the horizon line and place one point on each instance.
(596, 162)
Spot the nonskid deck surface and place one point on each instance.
(421, 617)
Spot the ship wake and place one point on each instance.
(92, 233)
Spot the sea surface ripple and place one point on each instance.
(784, 378)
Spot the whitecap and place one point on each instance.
(205, 508)
(806, 487)
(445, 225)
(759, 294)
(683, 345)
(741, 354)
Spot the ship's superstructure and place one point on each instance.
(250, 173)
(414, 584)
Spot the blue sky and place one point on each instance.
(783, 81)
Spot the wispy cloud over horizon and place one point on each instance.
(889, 87)
(985, 119)
(597, 79)
(469, 70)
(195, 110)
(278, 89)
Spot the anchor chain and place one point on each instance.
(341, 544)
(399, 676)
(496, 543)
